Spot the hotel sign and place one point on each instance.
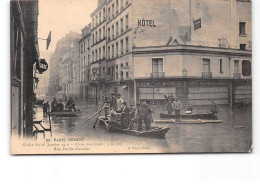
(145, 23)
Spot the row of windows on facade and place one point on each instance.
(113, 31)
(83, 47)
(101, 16)
(112, 50)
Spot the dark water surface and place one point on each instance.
(233, 135)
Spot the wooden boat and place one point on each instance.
(65, 113)
(190, 116)
(155, 132)
(188, 121)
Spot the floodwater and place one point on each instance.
(233, 135)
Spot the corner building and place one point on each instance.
(197, 49)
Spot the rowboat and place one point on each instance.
(66, 113)
(190, 116)
(154, 132)
(189, 121)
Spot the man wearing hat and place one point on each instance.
(137, 118)
(177, 108)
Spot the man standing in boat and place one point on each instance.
(137, 118)
(119, 102)
(146, 113)
(214, 108)
(70, 104)
(113, 101)
(125, 116)
(177, 108)
(54, 105)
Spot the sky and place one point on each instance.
(60, 17)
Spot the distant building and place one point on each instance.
(85, 60)
(199, 50)
(62, 47)
(70, 72)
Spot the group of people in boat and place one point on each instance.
(130, 118)
(174, 104)
(58, 106)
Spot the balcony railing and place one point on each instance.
(157, 74)
(206, 74)
(237, 75)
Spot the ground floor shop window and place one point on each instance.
(246, 68)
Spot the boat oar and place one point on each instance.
(93, 115)
(99, 115)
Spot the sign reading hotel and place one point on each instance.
(145, 23)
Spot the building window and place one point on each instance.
(157, 67)
(242, 46)
(113, 10)
(220, 66)
(96, 55)
(99, 53)
(104, 52)
(122, 65)
(108, 71)
(122, 4)
(116, 6)
(108, 34)
(84, 47)
(104, 32)
(112, 51)
(206, 65)
(96, 37)
(99, 17)
(93, 22)
(104, 14)
(126, 44)
(88, 59)
(99, 34)
(121, 75)
(108, 52)
(122, 47)
(126, 22)
(122, 25)
(116, 49)
(96, 20)
(108, 14)
(93, 56)
(127, 75)
(116, 28)
(246, 68)
(93, 38)
(242, 28)
(113, 31)
(236, 66)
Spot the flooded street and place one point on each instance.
(233, 135)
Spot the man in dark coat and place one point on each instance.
(113, 101)
(146, 112)
(70, 104)
(54, 105)
(45, 107)
(125, 116)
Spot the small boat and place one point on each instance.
(190, 116)
(154, 132)
(66, 113)
(188, 121)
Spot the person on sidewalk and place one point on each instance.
(45, 107)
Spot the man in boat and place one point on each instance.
(214, 108)
(113, 101)
(125, 116)
(71, 105)
(146, 113)
(113, 115)
(137, 118)
(60, 107)
(119, 102)
(189, 109)
(45, 107)
(54, 105)
(170, 100)
(177, 108)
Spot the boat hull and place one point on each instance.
(155, 132)
(65, 114)
(190, 116)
